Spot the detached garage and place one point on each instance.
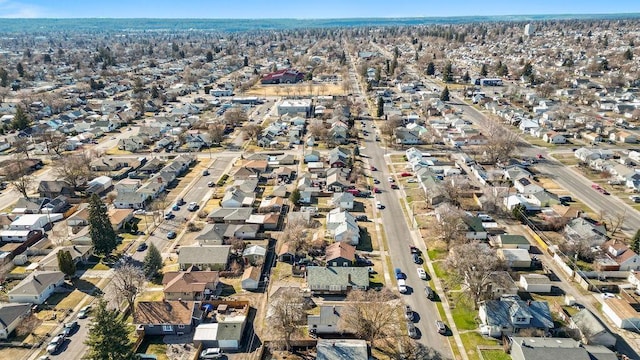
(621, 313)
(535, 283)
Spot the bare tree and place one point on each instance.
(318, 131)
(371, 314)
(500, 142)
(449, 226)
(235, 117)
(253, 131)
(216, 132)
(287, 314)
(295, 234)
(74, 169)
(21, 146)
(406, 348)
(471, 264)
(19, 176)
(127, 282)
(27, 325)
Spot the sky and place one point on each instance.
(303, 9)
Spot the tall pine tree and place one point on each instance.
(101, 232)
(152, 262)
(109, 336)
(444, 96)
(635, 243)
(65, 263)
(380, 109)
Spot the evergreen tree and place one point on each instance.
(294, 197)
(4, 77)
(152, 262)
(444, 96)
(380, 109)
(20, 69)
(628, 55)
(65, 263)
(447, 73)
(431, 69)
(635, 243)
(527, 70)
(108, 337)
(245, 62)
(466, 77)
(101, 232)
(483, 70)
(20, 120)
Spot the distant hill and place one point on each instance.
(101, 25)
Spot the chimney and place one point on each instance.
(349, 278)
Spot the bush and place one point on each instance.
(222, 180)
(193, 227)
(202, 214)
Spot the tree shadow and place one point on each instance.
(365, 243)
(86, 287)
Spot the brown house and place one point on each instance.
(189, 284)
(340, 254)
(166, 317)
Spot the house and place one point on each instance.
(132, 144)
(326, 322)
(548, 348)
(269, 221)
(535, 283)
(79, 254)
(405, 136)
(36, 287)
(283, 76)
(336, 280)
(204, 257)
(53, 188)
(592, 331)
(235, 198)
(626, 258)
(475, 228)
(251, 277)
(526, 186)
(254, 254)
(32, 205)
(624, 137)
(339, 349)
(294, 107)
(499, 284)
(621, 313)
(132, 200)
(511, 314)
(312, 156)
(553, 137)
(230, 216)
(507, 241)
(189, 285)
(11, 315)
(343, 200)
(340, 254)
(582, 230)
(166, 317)
(515, 258)
(342, 226)
(269, 204)
(227, 326)
(543, 199)
(119, 217)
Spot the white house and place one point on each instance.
(37, 287)
(526, 186)
(553, 137)
(342, 226)
(294, 107)
(10, 317)
(343, 200)
(536, 283)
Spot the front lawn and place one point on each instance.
(471, 340)
(495, 355)
(464, 314)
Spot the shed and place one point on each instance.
(515, 258)
(621, 313)
(536, 283)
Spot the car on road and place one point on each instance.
(175, 207)
(55, 344)
(429, 292)
(417, 259)
(84, 312)
(441, 327)
(399, 274)
(539, 156)
(193, 206)
(408, 312)
(411, 330)
(180, 201)
(69, 328)
(402, 286)
(391, 180)
(140, 212)
(376, 181)
(373, 168)
(361, 218)
(406, 174)
(211, 184)
(377, 190)
(379, 205)
(171, 235)
(395, 186)
(142, 247)
(205, 172)
(635, 198)
(422, 274)
(211, 353)
(169, 215)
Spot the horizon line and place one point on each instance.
(329, 18)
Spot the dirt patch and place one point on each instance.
(303, 89)
(14, 353)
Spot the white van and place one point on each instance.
(378, 205)
(402, 286)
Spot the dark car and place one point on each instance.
(411, 330)
(429, 292)
(171, 235)
(417, 259)
(142, 247)
(399, 274)
(362, 218)
(69, 328)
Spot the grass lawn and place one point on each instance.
(71, 300)
(464, 315)
(153, 345)
(495, 355)
(471, 340)
(151, 295)
(437, 254)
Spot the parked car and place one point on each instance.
(379, 205)
(399, 274)
(408, 312)
(181, 201)
(417, 259)
(84, 312)
(406, 174)
(142, 247)
(69, 328)
(171, 235)
(361, 218)
(422, 274)
(429, 292)
(211, 184)
(411, 330)
(635, 198)
(391, 180)
(373, 168)
(55, 344)
(376, 181)
(377, 190)
(441, 327)
(193, 206)
(211, 353)
(402, 286)
(414, 250)
(205, 172)
(140, 212)
(169, 215)
(395, 186)
(175, 207)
